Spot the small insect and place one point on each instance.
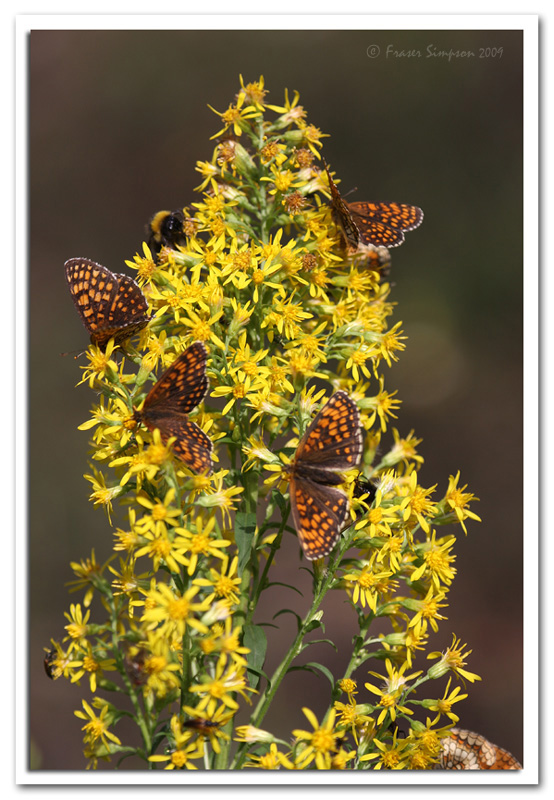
(110, 305)
(332, 443)
(50, 667)
(134, 666)
(179, 390)
(204, 726)
(363, 486)
(165, 229)
(378, 224)
(467, 750)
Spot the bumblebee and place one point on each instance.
(165, 229)
(363, 486)
(49, 666)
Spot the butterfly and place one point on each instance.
(179, 390)
(331, 443)
(467, 750)
(378, 224)
(109, 304)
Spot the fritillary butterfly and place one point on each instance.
(179, 390)
(467, 750)
(332, 443)
(109, 304)
(378, 224)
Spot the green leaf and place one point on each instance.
(255, 639)
(313, 624)
(288, 611)
(288, 585)
(280, 500)
(245, 528)
(320, 641)
(314, 667)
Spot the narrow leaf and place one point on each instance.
(245, 528)
(255, 639)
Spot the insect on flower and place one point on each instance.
(378, 224)
(332, 443)
(110, 305)
(204, 726)
(134, 667)
(179, 390)
(467, 750)
(165, 229)
(49, 666)
(363, 485)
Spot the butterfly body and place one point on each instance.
(377, 224)
(167, 406)
(332, 443)
(110, 305)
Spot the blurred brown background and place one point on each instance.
(117, 122)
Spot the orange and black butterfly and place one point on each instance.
(332, 443)
(467, 750)
(378, 224)
(179, 390)
(165, 229)
(109, 304)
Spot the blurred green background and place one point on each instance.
(118, 120)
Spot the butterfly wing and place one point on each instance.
(464, 749)
(93, 288)
(110, 305)
(379, 224)
(333, 440)
(181, 387)
(319, 513)
(341, 214)
(192, 445)
(129, 305)
(384, 224)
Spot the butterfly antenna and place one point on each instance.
(72, 352)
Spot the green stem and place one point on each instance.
(266, 699)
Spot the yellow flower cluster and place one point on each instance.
(259, 274)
